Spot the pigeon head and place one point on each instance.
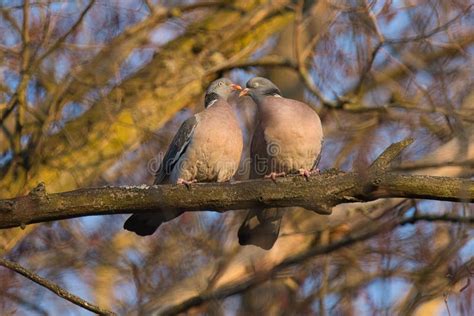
(258, 87)
(220, 88)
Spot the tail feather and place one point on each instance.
(260, 228)
(147, 224)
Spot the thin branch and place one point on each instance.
(61, 39)
(33, 306)
(267, 61)
(302, 69)
(12, 103)
(22, 86)
(312, 44)
(8, 135)
(448, 218)
(428, 165)
(380, 38)
(56, 289)
(436, 30)
(382, 162)
(5, 13)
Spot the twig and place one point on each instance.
(267, 61)
(449, 218)
(311, 46)
(18, 299)
(436, 30)
(7, 17)
(301, 61)
(428, 165)
(56, 289)
(389, 154)
(61, 39)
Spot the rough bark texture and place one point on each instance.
(319, 193)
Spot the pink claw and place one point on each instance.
(275, 175)
(305, 173)
(186, 182)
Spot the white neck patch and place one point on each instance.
(276, 95)
(211, 103)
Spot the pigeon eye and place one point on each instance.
(221, 84)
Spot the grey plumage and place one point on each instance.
(288, 138)
(206, 148)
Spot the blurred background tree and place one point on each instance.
(92, 91)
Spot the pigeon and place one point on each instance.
(288, 139)
(207, 148)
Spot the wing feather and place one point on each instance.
(177, 148)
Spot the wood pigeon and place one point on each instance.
(206, 148)
(288, 139)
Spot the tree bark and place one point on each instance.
(318, 193)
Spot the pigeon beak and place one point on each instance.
(244, 92)
(235, 87)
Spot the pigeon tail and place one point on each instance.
(147, 224)
(262, 233)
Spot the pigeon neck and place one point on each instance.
(210, 99)
(259, 97)
(274, 92)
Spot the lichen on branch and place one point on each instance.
(320, 193)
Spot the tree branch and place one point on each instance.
(319, 194)
(56, 289)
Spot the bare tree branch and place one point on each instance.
(24, 302)
(56, 289)
(319, 194)
(61, 39)
(426, 165)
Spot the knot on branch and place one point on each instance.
(377, 181)
(39, 191)
(322, 209)
(6, 206)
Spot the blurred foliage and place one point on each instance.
(92, 91)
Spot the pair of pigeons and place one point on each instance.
(208, 147)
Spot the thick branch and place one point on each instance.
(319, 194)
